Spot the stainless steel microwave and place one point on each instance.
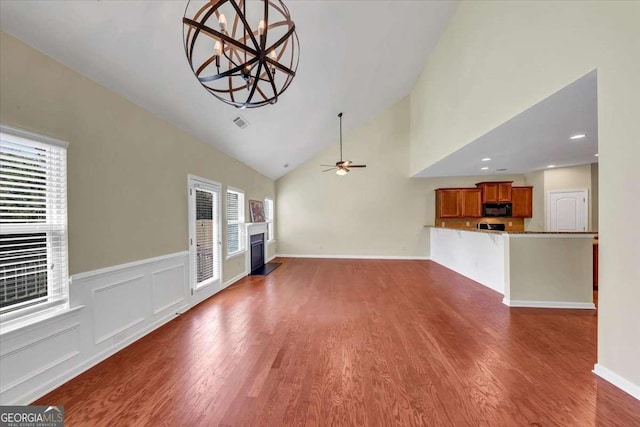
(496, 209)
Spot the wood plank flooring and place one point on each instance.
(354, 343)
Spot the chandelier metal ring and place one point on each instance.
(241, 65)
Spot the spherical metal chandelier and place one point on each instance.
(245, 53)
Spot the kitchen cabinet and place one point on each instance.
(448, 203)
(471, 199)
(495, 192)
(522, 202)
(459, 203)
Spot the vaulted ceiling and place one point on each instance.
(356, 56)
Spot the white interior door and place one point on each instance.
(205, 239)
(567, 210)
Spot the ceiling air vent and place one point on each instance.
(241, 122)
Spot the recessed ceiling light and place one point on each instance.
(551, 166)
(597, 155)
(578, 136)
(484, 168)
(486, 159)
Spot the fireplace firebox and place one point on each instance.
(257, 251)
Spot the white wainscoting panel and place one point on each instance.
(118, 306)
(109, 309)
(167, 288)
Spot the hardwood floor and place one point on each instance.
(354, 343)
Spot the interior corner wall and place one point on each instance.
(374, 212)
(595, 195)
(538, 221)
(496, 59)
(127, 168)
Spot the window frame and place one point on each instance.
(271, 230)
(57, 293)
(241, 221)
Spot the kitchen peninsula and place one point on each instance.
(531, 269)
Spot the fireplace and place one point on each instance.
(257, 251)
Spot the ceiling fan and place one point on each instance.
(342, 167)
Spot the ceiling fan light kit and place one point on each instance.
(342, 167)
(243, 53)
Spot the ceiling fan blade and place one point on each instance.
(333, 166)
(327, 170)
(357, 166)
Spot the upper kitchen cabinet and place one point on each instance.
(459, 203)
(495, 192)
(471, 202)
(522, 202)
(448, 203)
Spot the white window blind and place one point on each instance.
(268, 212)
(33, 221)
(236, 240)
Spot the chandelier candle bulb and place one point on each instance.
(261, 28)
(222, 20)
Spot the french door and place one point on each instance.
(205, 239)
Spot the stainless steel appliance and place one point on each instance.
(496, 210)
(485, 226)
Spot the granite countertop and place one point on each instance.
(476, 230)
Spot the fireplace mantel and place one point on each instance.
(254, 228)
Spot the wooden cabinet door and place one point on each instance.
(449, 203)
(471, 202)
(504, 192)
(489, 193)
(522, 202)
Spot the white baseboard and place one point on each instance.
(152, 292)
(79, 369)
(271, 258)
(618, 381)
(234, 279)
(550, 304)
(425, 258)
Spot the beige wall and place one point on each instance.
(495, 60)
(567, 275)
(127, 168)
(377, 211)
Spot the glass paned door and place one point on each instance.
(205, 239)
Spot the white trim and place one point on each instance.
(618, 381)
(236, 254)
(234, 279)
(120, 267)
(421, 258)
(550, 304)
(271, 258)
(35, 321)
(235, 189)
(33, 136)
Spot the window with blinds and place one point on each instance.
(33, 221)
(236, 240)
(268, 213)
(205, 256)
